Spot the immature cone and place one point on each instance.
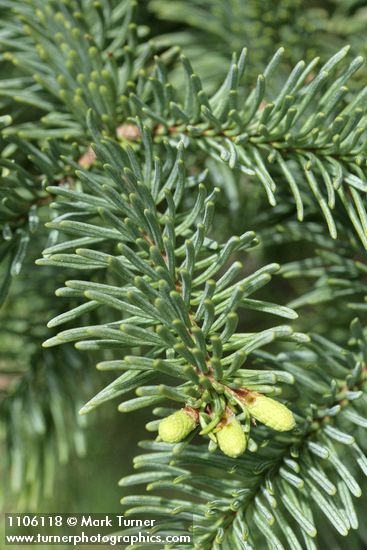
(270, 412)
(176, 426)
(231, 439)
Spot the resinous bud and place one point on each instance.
(231, 439)
(175, 427)
(270, 412)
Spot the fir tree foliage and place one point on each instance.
(275, 494)
(214, 29)
(303, 130)
(121, 162)
(41, 392)
(164, 267)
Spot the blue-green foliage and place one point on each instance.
(165, 194)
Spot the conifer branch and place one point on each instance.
(168, 273)
(153, 279)
(303, 133)
(271, 495)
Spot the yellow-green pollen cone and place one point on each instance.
(175, 427)
(270, 412)
(231, 439)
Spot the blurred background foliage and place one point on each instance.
(208, 31)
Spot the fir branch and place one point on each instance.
(210, 30)
(269, 496)
(156, 288)
(157, 245)
(304, 133)
(69, 59)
